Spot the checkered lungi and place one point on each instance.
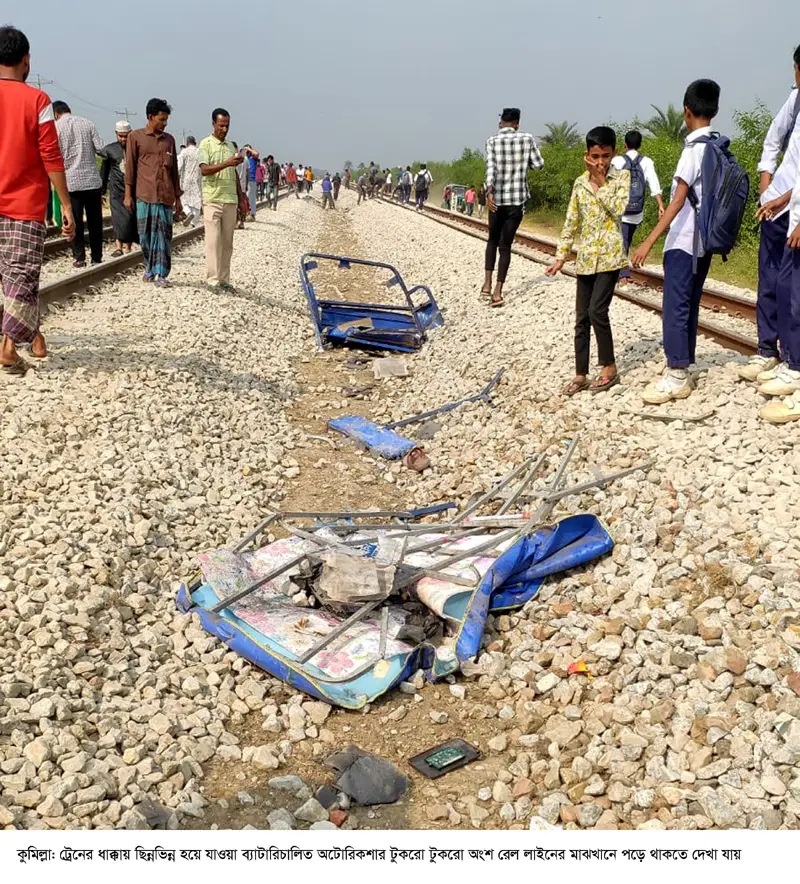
(21, 254)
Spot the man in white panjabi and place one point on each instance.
(191, 182)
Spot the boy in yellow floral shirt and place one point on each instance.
(599, 199)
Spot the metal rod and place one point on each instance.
(255, 532)
(522, 486)
(470, 553)
(451, 406)
(654, 416)
(546, 506)
(490, 494)
(276, 572)
(341, 628)
(555, 496)
(384, 631)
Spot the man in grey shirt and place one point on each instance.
(80, 144)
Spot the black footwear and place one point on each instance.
(79, 263)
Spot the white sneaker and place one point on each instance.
(756, 366)
(770, 373)
(675, 383)
(782, 411)
(785, 382)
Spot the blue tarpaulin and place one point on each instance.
(513, 579)
(384, 442)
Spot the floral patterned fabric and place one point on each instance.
(594, 217)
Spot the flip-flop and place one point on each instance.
(499, 303)
(601, 384)
(574, 387)
(485, 294)
(16, 369)
(117, 253)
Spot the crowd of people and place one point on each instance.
(150, 183)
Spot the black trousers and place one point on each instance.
(503, 225)
(89, 201)
(591, 312)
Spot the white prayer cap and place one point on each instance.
(122, 126)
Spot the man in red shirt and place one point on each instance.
(30, 160)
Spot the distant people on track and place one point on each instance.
(243, 173)
(407, 182)
(387, 190)
(327, 192)
(272, 182)
(153, 189)
(422, 186)
(347, 177)
(80, 145)
(309, 178)
(481, 197)
(775, 188)
(362, 185)
(469, 200)
(594, 218)
(113, 178)
(643, 176)
(261, 180)
(251, 159)
(683, 278)
(30, 161)
(292, 180)
(191, 182)
(337, 183)
(509, 155)
(223, 197)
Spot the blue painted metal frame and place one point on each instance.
(406, 324)
(514, 579)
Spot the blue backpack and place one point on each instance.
(726, 188)
(637, 189)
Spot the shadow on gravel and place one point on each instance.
(263, 301)
(114, 353)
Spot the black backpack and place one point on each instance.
(422, 181)
(638, 185)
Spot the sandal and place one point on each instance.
(17, 369)
(576, 386)
(117, 253)
(486, 293)
(600, 383)
(499, 302)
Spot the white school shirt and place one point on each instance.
(681, 231)
(794, 206)
(648, 168)
(784, 178)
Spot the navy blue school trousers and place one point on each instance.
(788, 306)
(770, 258)
(682, 292)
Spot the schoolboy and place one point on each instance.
(788, 296)
(775, 185)
(683, 279)
(599, 197)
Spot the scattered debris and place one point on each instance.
(417, 460)
(366, 778)
(391, 445)
(346, 611)
(444, 758)
(389, 367)
(667, 418)
(400, 327)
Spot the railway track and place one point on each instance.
(56, 245)
(58, 291)
(714, 299)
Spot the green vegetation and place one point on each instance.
(563, 134)
(550, 187)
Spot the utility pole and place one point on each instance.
(40, 82)
(126, 113)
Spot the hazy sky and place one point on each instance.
(323, 82)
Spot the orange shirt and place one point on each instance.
(28, 151)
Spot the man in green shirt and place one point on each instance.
(222, 193)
